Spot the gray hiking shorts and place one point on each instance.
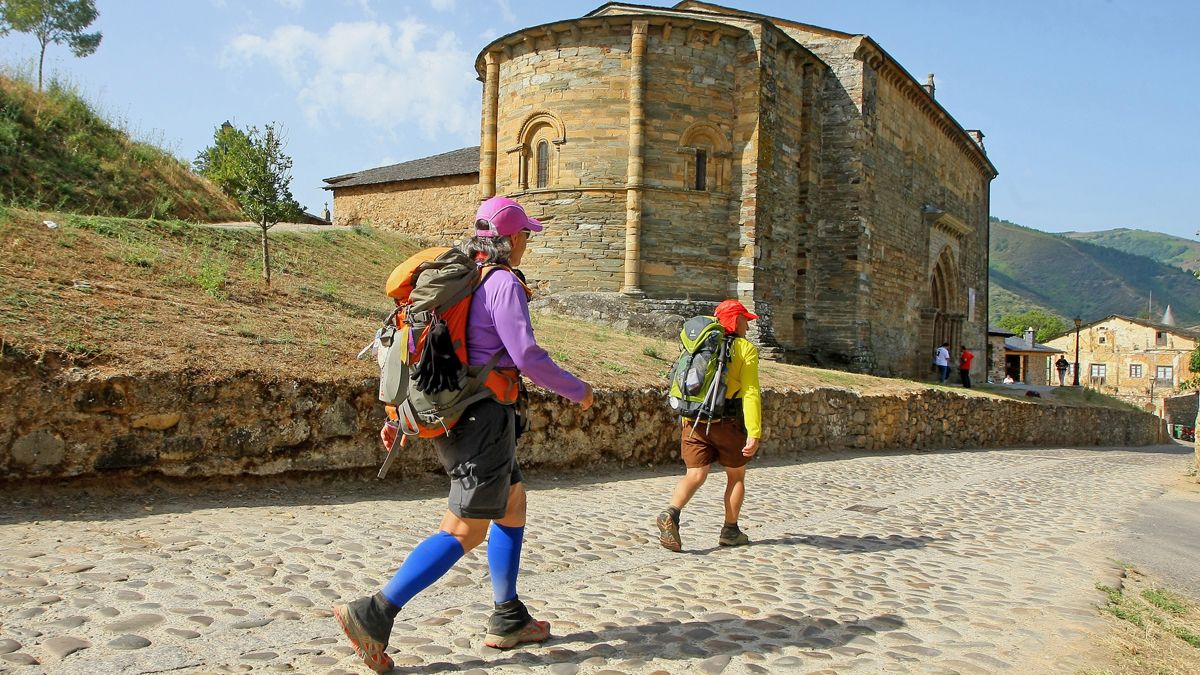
(480, 456)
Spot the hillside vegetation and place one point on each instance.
(1164, 248)
(58, 153)
(136, 296)
(1067, 276)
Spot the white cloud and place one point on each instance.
(442, 5)
(506, 11)
(294, 5)
(391, 76)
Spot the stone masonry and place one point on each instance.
(699, 152)
(71, 423)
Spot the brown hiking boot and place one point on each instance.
(365, 637)
(732, 535)
(668, 532)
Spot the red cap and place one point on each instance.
(728, 311)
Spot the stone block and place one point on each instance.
(128, 451)
(41, 449)
(339, 419)
(157, 421)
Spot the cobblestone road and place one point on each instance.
(963, 562)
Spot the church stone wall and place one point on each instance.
(583, 84)
(782, 237)
(689, 237)
(437, 210)
(909, 163)
(822, 153)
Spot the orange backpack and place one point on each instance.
(422, 348)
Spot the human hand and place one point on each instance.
(751, 447)
(388, 434)
(588, 398)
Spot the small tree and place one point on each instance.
(252, 168)
(52, 22)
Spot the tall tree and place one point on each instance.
(1045, 324)
(53, 22)
(252, 167)
(216, 162)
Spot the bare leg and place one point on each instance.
(688, 485)
(514, 516)
(735, 493)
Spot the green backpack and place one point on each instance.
(698, 377)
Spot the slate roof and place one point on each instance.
(1017, 344)
(453, 163)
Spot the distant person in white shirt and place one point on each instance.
(941, 359)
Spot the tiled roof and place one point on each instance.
(453, 163)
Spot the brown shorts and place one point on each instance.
(722, 442)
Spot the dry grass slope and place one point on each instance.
(134, 296)
(1154, 631)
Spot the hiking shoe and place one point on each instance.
(368, 634)
(534, 631)
(511, 624)
(732, 535)
(668, 532)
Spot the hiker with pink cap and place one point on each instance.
(487, 494)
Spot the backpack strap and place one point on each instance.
(487, 269)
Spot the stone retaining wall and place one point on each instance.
(64, 423)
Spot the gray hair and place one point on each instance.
(490, 250)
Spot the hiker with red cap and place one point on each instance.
(487, 495)
(730, 439)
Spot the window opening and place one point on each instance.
(701, 169)
(543, 164)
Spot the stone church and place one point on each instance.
(699, 152)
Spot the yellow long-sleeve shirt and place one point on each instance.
(742, 382)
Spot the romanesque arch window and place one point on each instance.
(539, 140)
(707, 153)
(543, 163)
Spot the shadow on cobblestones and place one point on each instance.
(722, 637)
(845, 543)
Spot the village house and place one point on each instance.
(683, 155)
(1135, 360)
(1030, 362)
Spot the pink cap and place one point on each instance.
(503, 217)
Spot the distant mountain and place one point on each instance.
(1067, 276)
(1164, 248)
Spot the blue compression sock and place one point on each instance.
(504, 560)
(426, 564)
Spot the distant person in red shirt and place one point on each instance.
(964, 367)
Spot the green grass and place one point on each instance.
(62, 154)
(1164, 600)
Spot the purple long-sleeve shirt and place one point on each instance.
(499, 321)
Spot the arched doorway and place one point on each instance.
(944, 314)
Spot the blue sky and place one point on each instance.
(1088, 107)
